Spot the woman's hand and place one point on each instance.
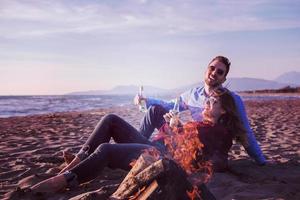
(168, 117)
(172, 119)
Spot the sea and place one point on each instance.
(31, 105)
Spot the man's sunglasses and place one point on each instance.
(220, 72)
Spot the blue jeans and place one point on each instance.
(98, 153)
(153, 119)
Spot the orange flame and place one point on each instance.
(195, 193)
(185, 148)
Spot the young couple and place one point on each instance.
(220, 115)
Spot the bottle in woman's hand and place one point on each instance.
(174, 121)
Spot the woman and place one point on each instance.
(219, 127)
(216, 132)
(221, 124)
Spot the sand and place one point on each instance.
(31, 150)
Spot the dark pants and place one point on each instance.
(98, 153)
(152, 119)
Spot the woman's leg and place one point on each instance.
(110, 126)
(111, 155)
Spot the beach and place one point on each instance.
(31, 150)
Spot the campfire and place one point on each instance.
(181, 173)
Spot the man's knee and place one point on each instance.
(110, 118)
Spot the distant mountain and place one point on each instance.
(89, 92)
(186, 87)
(234, 84)
(242, 84)
(125, 89)
(292, 78)
(133, 89)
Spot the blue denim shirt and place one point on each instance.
(194, 99)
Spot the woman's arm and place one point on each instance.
(251, 146)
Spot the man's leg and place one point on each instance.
(108, 155)
(110, 126)
(152, 119)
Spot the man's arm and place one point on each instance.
(152, 101)
(252, 147)
(168, 105)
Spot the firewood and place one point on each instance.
(148, 191)
(142, 162)
(131, 184)
(161, 179)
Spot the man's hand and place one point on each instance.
(138, 98)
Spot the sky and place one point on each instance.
(59, 46)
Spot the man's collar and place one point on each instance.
(202, 92)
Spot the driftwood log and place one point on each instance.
(144, 171)
(152, 178)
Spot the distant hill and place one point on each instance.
(235, 84)
(242, 84)
(292, 78)
(125, 89)
(89, 92)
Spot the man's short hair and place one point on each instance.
(223, 60)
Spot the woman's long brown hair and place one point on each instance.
(230, 118)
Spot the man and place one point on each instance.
(194, 99)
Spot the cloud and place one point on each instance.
(45, 18)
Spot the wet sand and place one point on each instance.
(31, 150)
